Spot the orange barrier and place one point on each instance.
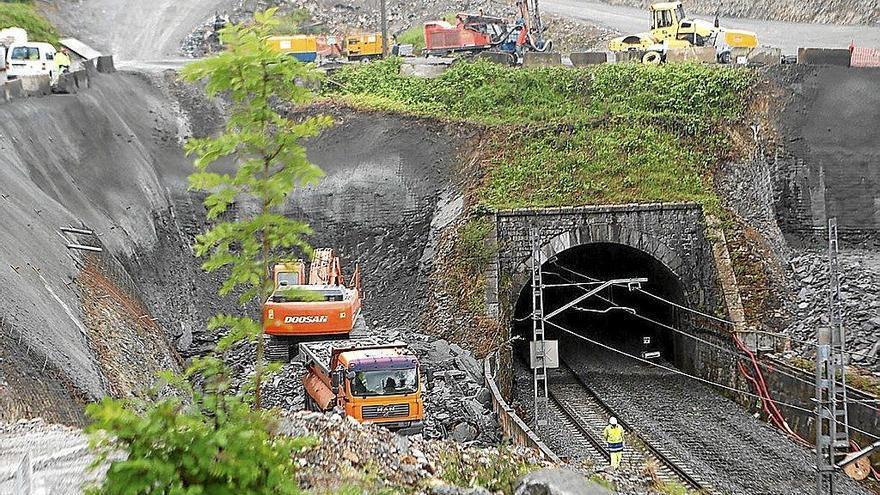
(864, 57)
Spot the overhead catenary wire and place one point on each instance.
(715, 318)
(740, 354)
(757, 381)
(687, 375)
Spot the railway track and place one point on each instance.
(584, 414)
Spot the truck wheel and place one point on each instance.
(724, 58)
(652, 58)
(307, 402)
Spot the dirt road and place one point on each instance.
(133, 29)
(786, 35)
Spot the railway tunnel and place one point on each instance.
(626, 317)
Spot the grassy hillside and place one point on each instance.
(606, 134)
(25, 15)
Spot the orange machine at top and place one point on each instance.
(320, 306)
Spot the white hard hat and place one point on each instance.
(612, 421)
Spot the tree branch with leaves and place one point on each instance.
(269, 163)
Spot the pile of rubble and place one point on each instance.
(860, 295)
(360, 15)
(347, 451)
(457, 405)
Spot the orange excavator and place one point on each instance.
(319, 307)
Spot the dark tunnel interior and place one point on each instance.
(616, 316)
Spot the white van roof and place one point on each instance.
(35, 44)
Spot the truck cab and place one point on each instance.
(370, 382)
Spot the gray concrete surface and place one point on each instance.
(786, 35)
(59, 457)
(133, 29)
(105, 158)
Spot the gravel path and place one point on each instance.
(706, 431)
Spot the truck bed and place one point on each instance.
(319, 351)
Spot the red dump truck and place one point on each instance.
(373, 383)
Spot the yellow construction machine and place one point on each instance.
(672, 29)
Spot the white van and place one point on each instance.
(30, 59)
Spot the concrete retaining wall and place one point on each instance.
(538, 59)
(11, 90)
(70, 83)
(105, 64)
(36, 86)
(512, 427)
(629, 56)
(588, 58)
(496, 57)
(824, 56)
(422, 69)
(765, 56)
(702, 54)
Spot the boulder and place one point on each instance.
(82, 79)
(557, 482)
(464, 432)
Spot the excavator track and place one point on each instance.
(278, 348)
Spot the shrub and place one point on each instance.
(25, 15)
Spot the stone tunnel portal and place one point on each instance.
(617, 316)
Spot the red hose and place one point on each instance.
(763, 392)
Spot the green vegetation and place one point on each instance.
(473, 253)
(215, 443)
(854, 378)
(607, 134)
(300, 295)
(603, 482)
(266, 147)
(671, 488)
(414, 36)
(499, 474)
(206, 433)
(24, 15)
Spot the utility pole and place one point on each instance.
(384, 14)
(832, 420)
(539, 365)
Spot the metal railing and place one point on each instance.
(512, 427)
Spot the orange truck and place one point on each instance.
(373, 383)
(318, 307)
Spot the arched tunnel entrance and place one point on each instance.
(619, 316)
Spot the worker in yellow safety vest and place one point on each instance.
(62, 61)
(613, 435)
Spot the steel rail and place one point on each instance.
(689, 480)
